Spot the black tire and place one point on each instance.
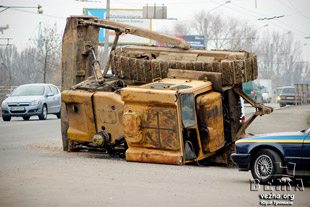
(306, 181)
(266, 166)
(282, 105)
(26, 118)
(58, 115)
(6, 118)
(43, 114)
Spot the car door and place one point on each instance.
(306, 153)
(57, 98)
(293, 154)
(49, 100)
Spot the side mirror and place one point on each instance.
(7, 95)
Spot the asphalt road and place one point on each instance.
(36, 172)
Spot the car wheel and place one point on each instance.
(282, 105)
(6, 118)
(58, 115)
(43, 114)
(26, 118)
(266, 166)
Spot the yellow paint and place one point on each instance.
(153, 126)
(80, 114)
(210, 114)
(109, 109)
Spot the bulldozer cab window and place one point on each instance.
(180, 87)
(159, 85)
(188, 110)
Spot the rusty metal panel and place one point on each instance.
(141, 95)
(75, 62)
(159, 127)
(153, 135)
(211, 121)
(133, 128)
(151, 125)
(109, 108)
(80, 115)
(154, 156)
(215, 78)
(148, 126)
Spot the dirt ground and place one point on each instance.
(36, 172)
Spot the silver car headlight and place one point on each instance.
(5, 104)
(35, 102)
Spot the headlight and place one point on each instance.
(4, 104)
(278, 98)
(35, 102)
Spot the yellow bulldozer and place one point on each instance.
(171, 105)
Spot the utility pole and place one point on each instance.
(271, 61)
(290, 70)
(206, 33)
(206, 25)
(106, 35)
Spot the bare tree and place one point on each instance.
(49, 54)
(279, 59)
(8, 55)
(30, 65)
(181, 28)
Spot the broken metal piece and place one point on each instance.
(261, 109)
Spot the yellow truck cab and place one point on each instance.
(172, 121)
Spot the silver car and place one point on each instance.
(32, 100)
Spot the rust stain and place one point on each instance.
(153, 156)
(211, 121)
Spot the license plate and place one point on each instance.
(289, 97)
(18, 109)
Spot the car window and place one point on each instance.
(288, 90)
(29, 90)
(48, 90)
(55, 90)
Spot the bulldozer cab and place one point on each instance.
(162, 122)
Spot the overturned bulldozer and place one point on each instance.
(161, 105)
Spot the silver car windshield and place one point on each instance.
(29, 90)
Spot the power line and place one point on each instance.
(295, 9)
(46, 15)
(301, 33)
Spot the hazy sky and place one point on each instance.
(24, 22)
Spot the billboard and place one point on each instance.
(196, 41)
(126, 16)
